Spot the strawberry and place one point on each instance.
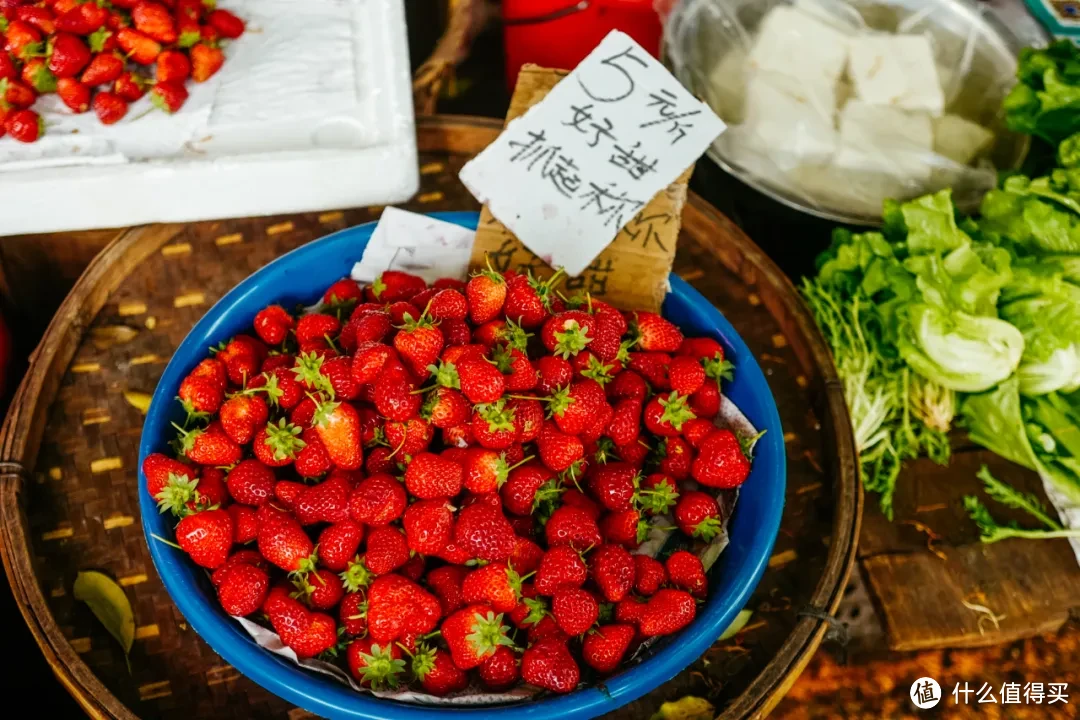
(342, 292)
(103, 68)
(245, 524)
(83, 19)
(445, 408)
(615, 485)
(395, 394)
(200, 395)
(649, 575)
(338, 544)
(429, 526)
(206, 536)
(173, 66)
(372, 358)
(168, 96)
(387, 550)
(496, 584)
(594, 430)
(242, 356)
(635, 453)
(657, 495)
(448, 304)
(37, 75)
(283, 542)
(721, 462)
(561, 565)
(273, 323)
(353, 614)
(575, 498)
(394, 285)
(287, 491)
(553, 373)
(605, 648)
(430, 476)
(103, 40)
(628, 386)
(630, 610)
(155, 21)
(686, 375)
(493, 425)
(436, 672)
(338, 425)
(129, 87)
(499, 671)
(528, 419)
(312, 461)
(698, 515)
(666, 414)
(377, 500)
(39, 17)
(277, 445)
(473, 634)
(319, 635)
(206, 60)
(528, 300)
(481, 382)
(326, 502)
(685, 571)
(558, 451)
(251, 483)
(612, 569)
(706, 401)
(575, 610)
(446, 582)
(519, 373)
(667, 611)
(8, 69)
(397, 606)
(319, 589)
(485, 471)
(676, 458)
(209, 446)
(22, 40)
(626, 528)
(654, 333)
(486, 292)
(189, 9)
(548, 664)
(483, 532)
(652, 367)
(568, 333)
(338, 372)
(456, 332)
(697, 430)
(572, 526)
(316, 326)
(69, 55)
(575, 408)
(170, 482)
(522, 484)
(356, 576)
(228, 26)
(625, 424)
(243, 589)
(373, 665)
(242, 416)
(410, 437)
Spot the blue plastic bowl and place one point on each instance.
(300, 277)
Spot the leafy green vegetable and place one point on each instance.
(992, 531)
(931, 224)
(1046, 101)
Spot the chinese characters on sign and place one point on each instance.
(577, 167)
(1011, 693)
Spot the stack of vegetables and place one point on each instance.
(939, 320)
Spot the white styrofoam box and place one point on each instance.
(312, 111)
(896, 70)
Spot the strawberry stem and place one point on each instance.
(170, 543)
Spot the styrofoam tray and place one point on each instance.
(312, 111)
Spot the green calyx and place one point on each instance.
(503, 359)
(547, 495)
(323, 412)
(676, 411)
(271, 388)
(488, 633)
(307, 566)
(642, 530)
(445, 375)
(559, 401)
(598, 371)
(179, 490)
(42, 80)
(423, 662)
(378, 287)
(658, 499)
(719, 369)
(537, 611)
(356, 575)
(545, 289)
(97, 39)
(747, 443)
(284, 439)
(498, 417)
(571, 340)
(708, 528)
(381, 668)
(308, 372)
(605, 451)
(514, 336)
(185, 441)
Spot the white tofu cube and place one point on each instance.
(960, 140)
(782, 121)
(886, 140)
(896, 70)
(796, 44)
(726, 91)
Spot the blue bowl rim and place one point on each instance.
(329, 698)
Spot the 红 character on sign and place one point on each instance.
(1055, 692)
(636, 165)
(665, 104)
(1010, 693)
(966, 691)
(1034, 693)
(608, 205)
(582, 114)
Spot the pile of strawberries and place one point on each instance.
(436, 480)
(98, 53)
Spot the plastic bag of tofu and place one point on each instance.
(836, 105)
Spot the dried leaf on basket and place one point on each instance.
(109, 335)
(138, 400)
(109, 604)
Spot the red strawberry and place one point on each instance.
(320, 589)
(446, 582)
(8, 69)
(575, 610)
(210, 446)
(242, 416)
(338, 425)
(155, 21)
(666, 414)
(312, 461)
(173, 66)
(615, 485)
(519, 492)
(429, 526)
(37, 75)
(548, 664)
(168, 96)
(316, 326)
(519, 373)
(655, 334)
(528, 300)
(697, 430)
(653, 367)
(473, 634)
(483, 532)
(22, 40)
(375, 666)
(69, 55)
(170, 482)
(129, 87)
(628, 386)
(429, 476)
(657, 494)
(528, 419)
(686, 375)
(394, 285)
(251, 483)
(481, 382)
(576, 408)
(706, 401)
(273, 324)
(485, 470)
(721, 462)
(685, 571)
(103, 68)
(243, 589)
(649, 575)
(39, 17)
(286, 492)
(318, 636)
(604, 649)
(277, 445)
(572, 526)
(206, 536)
(558, 451)
(408, 438)
(560, 566)
(445, 408)
(83, 19)
(499, 671)
(284, 543)
(667, 611)
(493, 425)
(338, 544)
(377, 500)
(612, 569)
(568, 333)
(677, 458)
(228, 26)
(387, 550)
(575, 498)
(553, 373)
(626, 528)
(625, 424)
(397, 606)
(448, 304)
(486, 292)
(698, 515)
(630, 610)
(497, 585)
(353, 613)
(395, 396)
(206, 60)
(245, 524)
(201, 395)
(326, 502)
(372, 357)
(436, 672)
(635, 453)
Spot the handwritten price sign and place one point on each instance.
(571, 172)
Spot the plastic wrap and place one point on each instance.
(836, 105)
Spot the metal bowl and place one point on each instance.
(702, 34)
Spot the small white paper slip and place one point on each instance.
(567, 175)
(416, 244)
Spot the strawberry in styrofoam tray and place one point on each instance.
(104, 55)
(445, 486)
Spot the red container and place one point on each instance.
(560, 33)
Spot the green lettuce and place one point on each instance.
(1046, 100)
